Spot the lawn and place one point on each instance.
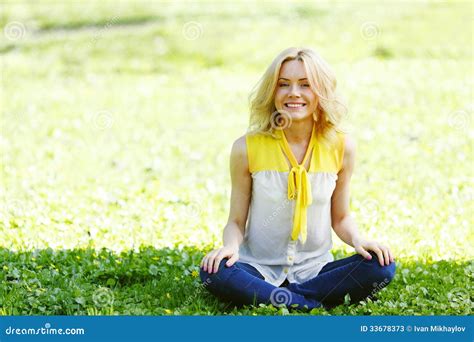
(117, 123)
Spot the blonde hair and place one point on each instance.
(331, 107)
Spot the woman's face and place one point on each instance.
(293, 93)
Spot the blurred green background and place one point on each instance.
(117, 120)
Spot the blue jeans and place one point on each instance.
(242, 284)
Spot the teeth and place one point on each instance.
(293, 105)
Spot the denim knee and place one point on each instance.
(381, 274)
(217, 279)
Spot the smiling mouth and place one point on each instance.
(295, 105)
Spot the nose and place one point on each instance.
(294, 91)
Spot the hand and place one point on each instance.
(210, 263)
(384, 254)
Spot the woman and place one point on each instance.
(290, 185)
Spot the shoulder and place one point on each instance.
(257, 141)
(349, 151)
(239, 147)
(349, 145)
(238, 154)
(260, 141)
(258, 151)
(251, 143)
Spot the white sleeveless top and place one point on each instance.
(288, 230)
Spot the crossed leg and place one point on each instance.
(354, 275)
(242, 284)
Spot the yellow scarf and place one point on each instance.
(299, 187)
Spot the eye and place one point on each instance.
(306, 85)
(283, 84)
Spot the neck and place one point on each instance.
(299, 132)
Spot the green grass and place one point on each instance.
(166, 281)
(116, 133)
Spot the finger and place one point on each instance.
(363, 252)
(385, 255)
(203, 261)
(379, 253)
(217, 261)
(390, 254)
(232, 260)
(210, 261)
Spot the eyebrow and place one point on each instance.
(286, 79)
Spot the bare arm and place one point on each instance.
(239, 205)
(240, 195)
(343, 224)
(342, 221)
